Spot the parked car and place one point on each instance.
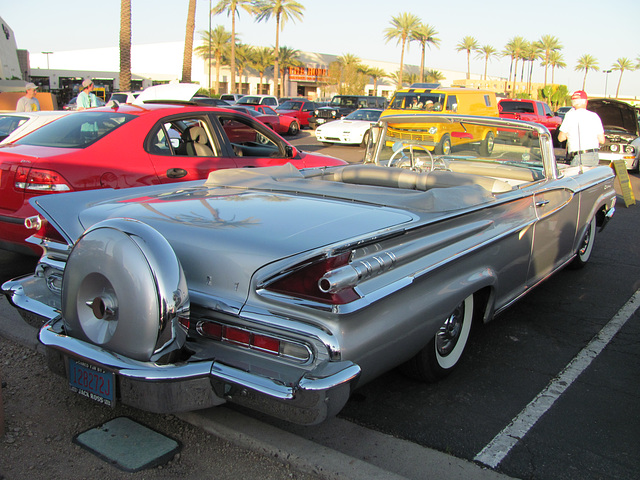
(72, 104)
(212, 102)
(269, 100)
(621, 131)
(562, 111)
(530, 111)
(231, 98)
(281, 124)
(132, 145)
(433, 98)
(283, 290)
(14, 125)
(125, 97)
(342, 105)
(301, 110)
(355, 128)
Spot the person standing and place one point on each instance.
(583, 131)
(29, 103)
(86, 99)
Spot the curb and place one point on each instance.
(335, 449)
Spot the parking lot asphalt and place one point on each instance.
(336, 449)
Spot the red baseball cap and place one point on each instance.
(579, 95)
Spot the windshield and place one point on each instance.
(344, 101)
(462, 146)
(78, 130)
(247, 100)
(414, 100)
(8, 123)
(289, 105)
(366, 115)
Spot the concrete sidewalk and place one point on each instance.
(332, 450)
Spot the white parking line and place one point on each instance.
(501, 445)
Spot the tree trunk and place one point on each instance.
(188, 42)
(125, 46)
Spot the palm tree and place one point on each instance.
(621, 65)
(188, 42)
(586, 62)
(425, 35)
(375, 73)
(534, 52)
(487, 52)
(468, 44)
(215, 43)
(434, 76)
(549, 44)
(400, 29)
(261, 59)
(125, 45)
(244, 54)
(514, 50)
(282, 10)
(232, 8)
(556, 60)
(288, 58)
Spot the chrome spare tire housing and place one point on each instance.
(124, 289)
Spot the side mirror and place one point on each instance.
(288, 151)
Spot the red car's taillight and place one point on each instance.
(304, 282)
(39, 180)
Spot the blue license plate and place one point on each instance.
(92, 382)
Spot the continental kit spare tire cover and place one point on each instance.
(124, 289)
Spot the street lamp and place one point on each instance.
(47, 54)
(606, 81)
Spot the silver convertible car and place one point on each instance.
(283, 290)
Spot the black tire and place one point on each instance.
(365, 138)
(586, 246)
(444, 146)
(294, 128)
(124, 290)
(486, 147)
(444, 351)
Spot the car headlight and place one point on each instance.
(433, 130)
(630, 149)
(333, 113)
(316, 113)
(614, 148)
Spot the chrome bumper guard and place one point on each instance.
(318, 395)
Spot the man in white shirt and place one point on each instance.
(29, 103)
(583, 131)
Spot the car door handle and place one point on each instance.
(176, 173)
(541, 203)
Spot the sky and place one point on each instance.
(605, 30)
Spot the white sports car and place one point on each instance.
(352, 129)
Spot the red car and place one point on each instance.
(299, 109)
(530, 111)
(282, 124)
(131, 145)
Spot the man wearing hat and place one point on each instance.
(583, 131)
(29, 103)
(86, 99)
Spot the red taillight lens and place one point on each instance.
(38, 180)
(236, 335)
(304, 282)
(267, 344)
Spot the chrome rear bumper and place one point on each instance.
(318, 394)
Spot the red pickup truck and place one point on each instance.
(530, 111)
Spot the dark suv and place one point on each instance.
(343, 105)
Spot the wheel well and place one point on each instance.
(482, 309)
